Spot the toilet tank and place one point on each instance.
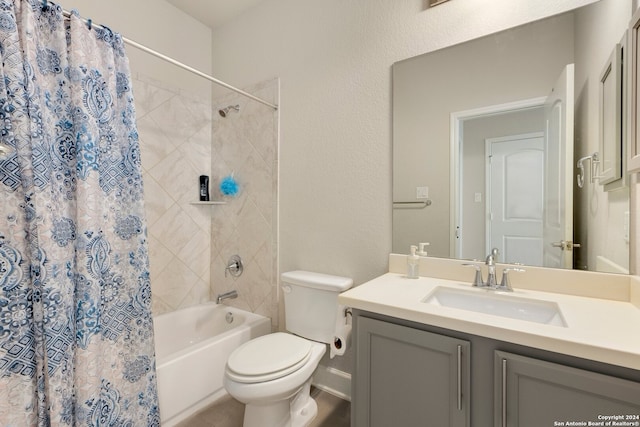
(311, 303)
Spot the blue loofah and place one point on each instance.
(229, 186)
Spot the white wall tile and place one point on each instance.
(246, 144)
(175, 141)
(182, 138)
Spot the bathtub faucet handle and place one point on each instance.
(234, 266)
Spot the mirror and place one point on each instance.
(453, 106)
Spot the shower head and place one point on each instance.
(223, 112)
(6, 151)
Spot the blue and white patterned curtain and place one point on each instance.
(76, 334)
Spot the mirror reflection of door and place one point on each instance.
(472, 195)
(514, 197)
(553, 117)
(558, 165)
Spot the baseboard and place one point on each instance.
(333, 381)
(193, 409)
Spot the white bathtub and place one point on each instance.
(192, 347)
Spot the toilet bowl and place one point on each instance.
(275, 394)
(272, 374)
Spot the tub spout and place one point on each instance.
(227, 295)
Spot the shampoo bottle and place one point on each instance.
(413, 263)
(204, 188)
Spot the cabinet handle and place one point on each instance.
(459, 378)
(504, 392)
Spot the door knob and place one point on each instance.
(565, 245)
(571, 245)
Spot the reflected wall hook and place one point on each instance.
(595, 162)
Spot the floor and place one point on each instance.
(228, 412)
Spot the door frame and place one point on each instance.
(561, 231)
(457, 119)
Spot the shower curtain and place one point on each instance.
(76, 334)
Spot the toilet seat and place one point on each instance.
(279, 354)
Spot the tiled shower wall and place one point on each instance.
(175, 142)
(245, 144)
(182, 137)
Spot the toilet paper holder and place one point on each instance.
(342, 338)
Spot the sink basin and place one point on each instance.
(495, 304)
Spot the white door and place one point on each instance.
(514, 190)
(558, 177)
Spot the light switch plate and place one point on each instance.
(422, 192)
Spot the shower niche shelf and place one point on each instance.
(209, 203)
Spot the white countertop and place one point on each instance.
(603, 330)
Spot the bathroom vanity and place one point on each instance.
(421, 359)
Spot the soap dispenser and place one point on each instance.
(413, 263)
(421, 251)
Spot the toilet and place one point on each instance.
(271, 374)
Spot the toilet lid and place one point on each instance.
(268, 357)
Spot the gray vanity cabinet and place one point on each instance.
(409, 377)
(531, 393)
(409, 374)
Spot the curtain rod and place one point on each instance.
(166, 58)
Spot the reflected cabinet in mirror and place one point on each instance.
(490, 133)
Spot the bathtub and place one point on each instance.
(192, 347)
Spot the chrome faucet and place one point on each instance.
(491, 267)
(227, 295)
(492, 281)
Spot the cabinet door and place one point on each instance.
(408, 377)
(532, 393)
